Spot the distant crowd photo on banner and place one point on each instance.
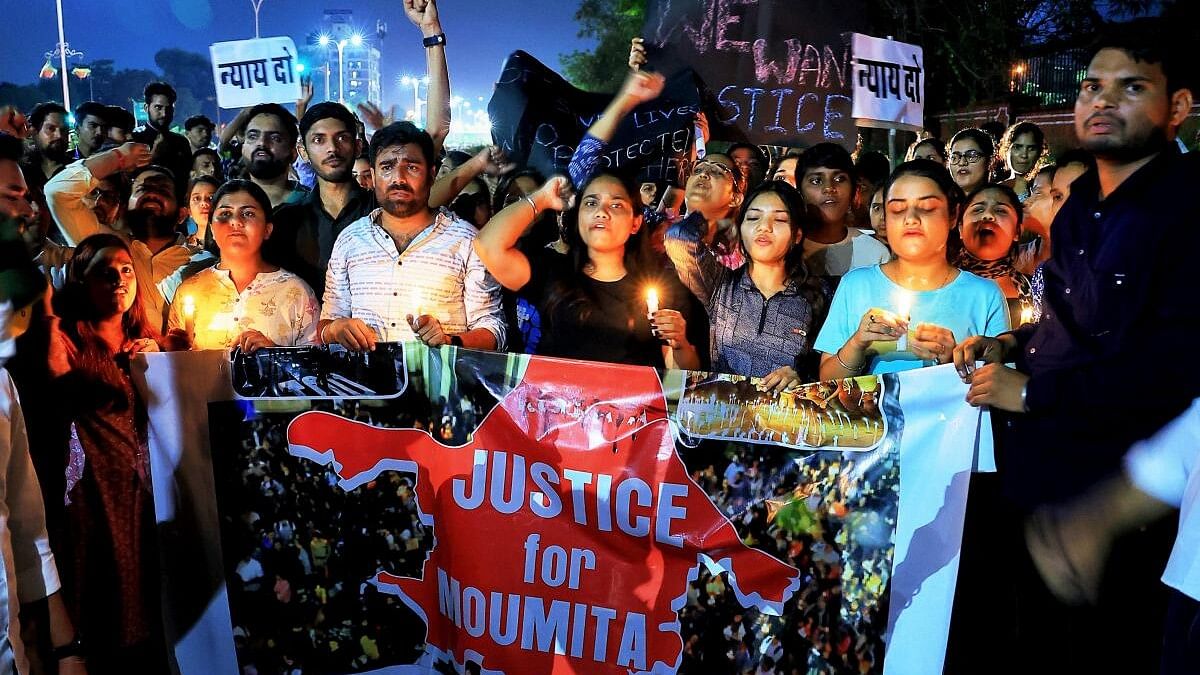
(764, 364)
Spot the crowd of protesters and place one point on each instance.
(318, 226)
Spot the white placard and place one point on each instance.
(249, 72)
(889, 83)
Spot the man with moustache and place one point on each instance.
(161, 255)
(268, 150)
(51, 133)
(91, 128)
(26, 561)
(305, 231)
(406, 271)
(170, 150)
(1119, 310)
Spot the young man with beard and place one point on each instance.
(305, 231)
(161, 255)
(1119, 309)
(406, 271)
(268, 150)
(51, 133)
(170, 150)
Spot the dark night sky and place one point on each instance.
(480, 33)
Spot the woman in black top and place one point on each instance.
(593, 299)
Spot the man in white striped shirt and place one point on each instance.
(406, 271)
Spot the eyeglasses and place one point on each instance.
(968, 157)
(712, 170)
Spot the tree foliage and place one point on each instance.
(188, 72)
(974, 44)
(611, 23)
(971, 43)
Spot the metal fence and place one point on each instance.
(1053, 81)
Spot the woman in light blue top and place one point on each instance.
(911, 311)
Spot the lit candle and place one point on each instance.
(903, 303)
(189, 316)
(652, 300)
(1026, 314)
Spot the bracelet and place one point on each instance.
(838, 355)
(434, 40)
(322, 335)
(531, 205)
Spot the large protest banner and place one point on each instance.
(510, 514)
(889, 83)
(775, 72)
(539, 119)
(249, 72)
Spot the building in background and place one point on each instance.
(360, 62)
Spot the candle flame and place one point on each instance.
(189, 306)
(1026, 314)
(903, 302)
(652, 300)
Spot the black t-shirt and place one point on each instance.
(605, 320)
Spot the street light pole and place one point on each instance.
(341, 45)
(257, 5)
(62, 52)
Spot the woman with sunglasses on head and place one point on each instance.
(243, 302)
(593, 301)
(918, 296)
(109, 560)
(970, 154)
(762, 316)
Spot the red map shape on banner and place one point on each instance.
(565, 534)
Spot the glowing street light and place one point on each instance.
(355, 40)
(415, 83)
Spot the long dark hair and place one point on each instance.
(802, 216)
(570, 290)
(96, 361)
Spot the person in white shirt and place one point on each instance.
(243, 301)
(1070, 543)
(161, 256)
(405, 271)
(825, 177)
(26, 562)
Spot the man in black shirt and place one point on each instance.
(1112, 359)
(305, 231)
(170, 150)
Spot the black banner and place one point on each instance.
(539, 119)
(775, 72)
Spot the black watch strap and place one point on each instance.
(456, 341)
(72, 648)
(434, 40)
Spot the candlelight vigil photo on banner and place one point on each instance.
(516, 514)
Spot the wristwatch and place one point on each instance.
(434, 40)
(456, 341)
(72, 648)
